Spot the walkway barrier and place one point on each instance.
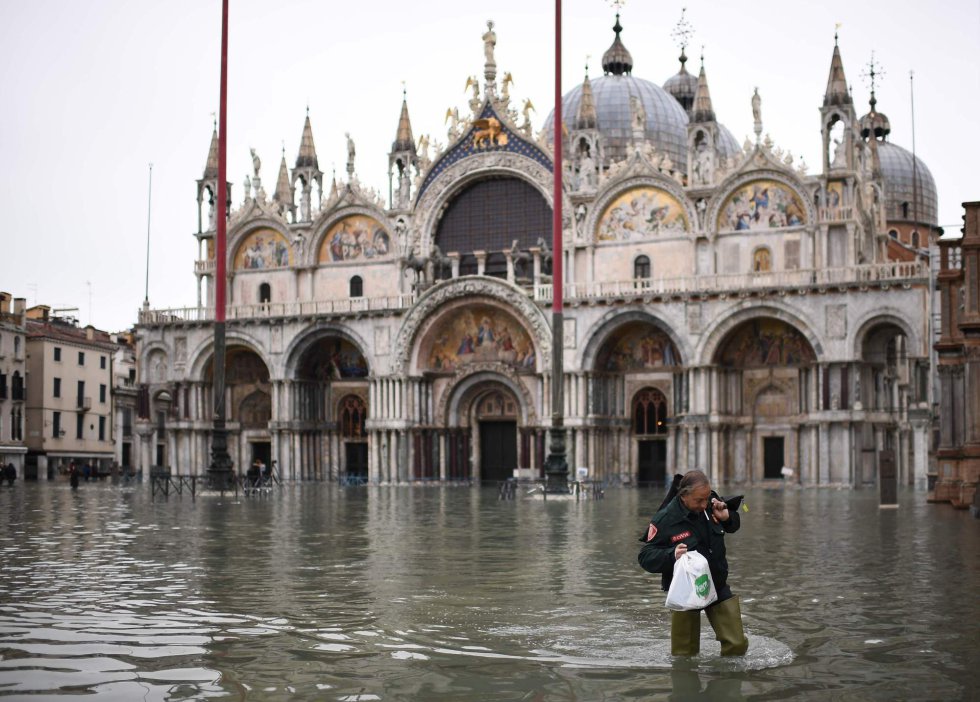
(165, 483)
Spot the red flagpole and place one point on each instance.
(557, 303)
(221, 206)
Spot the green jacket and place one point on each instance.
(674, 524)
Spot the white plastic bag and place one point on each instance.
(691, 586)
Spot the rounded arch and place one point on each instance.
(490, 214)
(608, 197)
(477, 379)
(200, 357)
(354, 233)
(311, 336)
(721, 202)
(148, 361)
(717, 335)
(887, 316)
(606, 326)
(425, 313)
(241, 237)
(463, 173)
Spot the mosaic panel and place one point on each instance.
(355, 238)
(478, 333)
(263, 249)
(640, 213)
(761, 204)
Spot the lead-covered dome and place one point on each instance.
(666, 120)
(910, 191)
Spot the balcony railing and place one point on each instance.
(894, 272)
(206, 266)
(311, 308)
(877, 273)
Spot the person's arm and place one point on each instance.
(728, 518)
(656, 557)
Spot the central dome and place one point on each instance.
(665, 126)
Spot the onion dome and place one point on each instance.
(910, 191)
(875, 124)
(683, 86)
(617, 60)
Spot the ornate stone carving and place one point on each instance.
(490, 368)
(516, 299)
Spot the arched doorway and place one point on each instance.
(352, 411)
(634, 373)
(248, 397)
(650, 431)
(328, 407)
(764, 374)
(496, 420)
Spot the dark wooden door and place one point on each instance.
(887, 477)
(772, 450)
(498, 450)
(357, 459)
(652, 459)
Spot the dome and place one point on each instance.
(683, 86)
(901, 175)
(666, 121)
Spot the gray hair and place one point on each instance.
(691, 481)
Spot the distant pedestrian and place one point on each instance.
(73, 476)
(10, 473)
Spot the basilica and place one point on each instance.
(725, 308)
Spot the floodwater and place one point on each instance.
(319, 592)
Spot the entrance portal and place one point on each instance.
(652, 459)
(498, 450)
(772, 449)
(261, 451)
(356, 454)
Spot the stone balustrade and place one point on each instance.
(896, 272)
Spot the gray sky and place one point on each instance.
(94, 91)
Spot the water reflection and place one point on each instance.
(441, 593)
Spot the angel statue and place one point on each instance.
(256, 163)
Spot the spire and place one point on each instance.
(404, 141)
(586, 118)
(703, 111)
(617, 60)
(307, 151)
(211, 167)
(874, 123)
(283, 194)
(837, 92)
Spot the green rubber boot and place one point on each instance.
(685, 633)
(726, 620)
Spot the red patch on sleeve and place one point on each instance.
(679, 537)
(651, 532)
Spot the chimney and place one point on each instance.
(5, 302)
(20, 304)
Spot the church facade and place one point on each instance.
(725, 309)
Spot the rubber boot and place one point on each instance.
(726, 620)
(685, 633)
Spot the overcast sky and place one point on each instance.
(94, 91)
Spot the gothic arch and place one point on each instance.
(715, 336)
(613, 320)
(425, 312)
